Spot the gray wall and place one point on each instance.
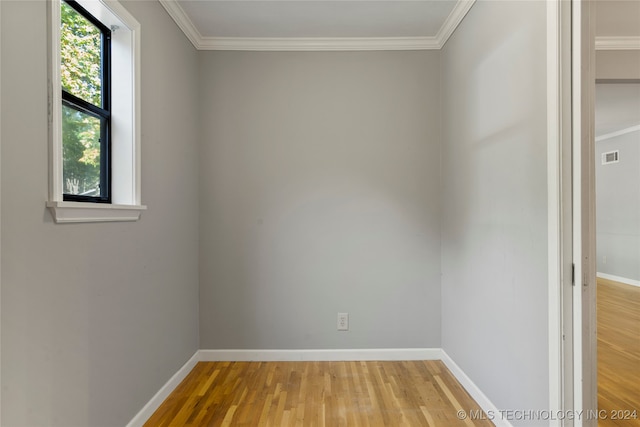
(96, 317)
(618, 64)
(494, 209)
(618, 207)
(320, 193)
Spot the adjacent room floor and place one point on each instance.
(618, 353)
(411, 393)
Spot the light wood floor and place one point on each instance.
(618, 350)
(414, 393)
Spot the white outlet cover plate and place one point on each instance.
(343, 321)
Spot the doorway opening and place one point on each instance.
(617, 197)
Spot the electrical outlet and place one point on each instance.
(604, 259)
(343, 321)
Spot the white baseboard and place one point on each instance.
(155, 402)
(624, 280)
(320, 355)
(483, 401)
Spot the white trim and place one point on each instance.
(73, 212)
(131, 160)
(474, 391)
(618, 43)
(55, 101)
(320, 355)
(459, 11)
(125, 114)
(584, 227)
(318, 43)
(624, 280)
(147, 411)
(453, 20)
(618, 133)
(200, 42)
(576, 79)
(554, 136)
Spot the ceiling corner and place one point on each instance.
(454, 19)
(183, 21)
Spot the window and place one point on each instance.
(85, 48)
(94, 172)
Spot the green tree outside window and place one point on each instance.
(81, 44)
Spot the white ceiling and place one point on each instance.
(317, 24)
(358, 24)
(300, 19)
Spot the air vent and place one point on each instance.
(610, 157)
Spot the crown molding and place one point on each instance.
(618, 43)
(453, 20)
(183, 21)
(318, 43)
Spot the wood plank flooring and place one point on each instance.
(411, 393)
(618, 351)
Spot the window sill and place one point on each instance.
(70, 212)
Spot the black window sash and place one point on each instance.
(103, 112)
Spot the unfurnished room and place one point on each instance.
(319, 213)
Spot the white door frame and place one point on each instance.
(584, 361)
(560, 272)
(571, 220)
(584, 242)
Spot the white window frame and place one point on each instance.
(125, 120)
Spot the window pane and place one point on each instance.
(81, 43)
(80, 153)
